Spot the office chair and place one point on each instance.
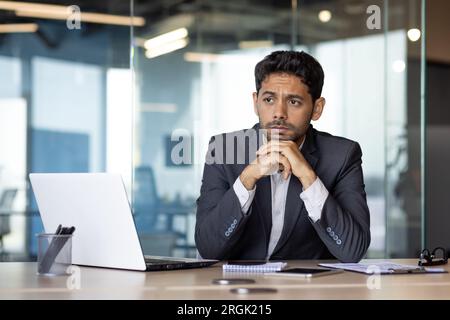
(155, 219)
(146, 201)
(6, 204)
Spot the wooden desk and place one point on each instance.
(19, 281)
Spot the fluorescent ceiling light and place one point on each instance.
(59, 12)
(255, 44)
(30, 6)
(99, 18)
(166, 48)
(166, 38)
(18, 27)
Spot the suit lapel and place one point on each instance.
(294, 203)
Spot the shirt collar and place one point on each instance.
(303, 142)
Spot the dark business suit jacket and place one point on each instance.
(223, 232)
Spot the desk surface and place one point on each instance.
(19, 281)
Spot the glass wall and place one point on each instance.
(194, 78)
(60, 107)
(111, 95)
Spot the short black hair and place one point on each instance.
(296, 63)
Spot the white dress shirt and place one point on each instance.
(314, 198)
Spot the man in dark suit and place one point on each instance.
(301, 194)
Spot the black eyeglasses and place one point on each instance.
(437, 257)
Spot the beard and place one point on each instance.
(292, 133)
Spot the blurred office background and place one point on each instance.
(107, 93)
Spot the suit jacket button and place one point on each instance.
(235, 221)
(227, 234)
(332, 234)
(328, 229)
(338, 242)
(335, 238)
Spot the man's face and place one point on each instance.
(285, 108)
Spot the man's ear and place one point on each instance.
(255, 103)
(318, 108)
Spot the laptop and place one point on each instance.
(96, 204)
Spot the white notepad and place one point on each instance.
(264, 267)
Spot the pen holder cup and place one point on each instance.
(54, 254)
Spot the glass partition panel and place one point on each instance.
(404, 130)
(193, 67)
(65, 103)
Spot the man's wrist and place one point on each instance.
(307, 178)
(248, 177)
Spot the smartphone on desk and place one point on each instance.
(303, 272)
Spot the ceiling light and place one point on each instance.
(325, 16)
(166, 38)
(414, 34)
(18, 27)
(60, 12)
(99, 18)
(166, 48)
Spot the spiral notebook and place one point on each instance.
(254, 266)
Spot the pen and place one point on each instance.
(58, 230)
(403, 271)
